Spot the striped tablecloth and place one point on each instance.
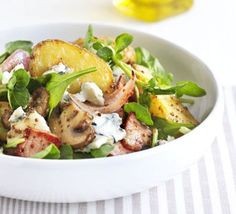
(207, 187)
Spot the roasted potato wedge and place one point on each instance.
(4, 106)
(170, 108)
(51, 52)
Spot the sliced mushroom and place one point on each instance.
(39, 101)
(72, 125)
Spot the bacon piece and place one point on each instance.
(119, 149)
(35, 141)
(17, 57)
(112, 104)
(137, 134)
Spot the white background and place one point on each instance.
(208, 30)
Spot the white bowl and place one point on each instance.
(104, 178)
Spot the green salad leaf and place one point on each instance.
(50, 152)
(190, 89)
(166, 128)
(10, 47)
(17, 92)
(81, 155)
(144, 58)
(66, 151)
(19, 44)
(123, 41)
(103, 151)
(105, 53)
(88, 37)
(142, 113)
(56, 84)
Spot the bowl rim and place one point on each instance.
(216, 111)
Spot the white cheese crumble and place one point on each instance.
(17, 115)
(60, 69)
(169, 138)
(92, 93)
(6, 76)
(21, 121)
(184, 130)
(117, 72)
(98, 142)
(109, 125)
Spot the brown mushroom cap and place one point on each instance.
(39, 101)
(72, 125)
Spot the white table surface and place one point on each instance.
(209, 31)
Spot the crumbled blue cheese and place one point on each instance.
(59, 69)
(6, 76)
(169, 138)
(98, 142)
(184, 130)
(109, 125)
(92, 93)
(17, 115)
(117, 72)
(21, 121)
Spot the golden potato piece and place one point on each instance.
(51, 52)
(4, 106)
(170, 108)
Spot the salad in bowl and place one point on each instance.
(94, 97)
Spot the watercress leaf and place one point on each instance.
(88, 37)
(103, 151)
(33, 85)
(166, 128)
(18, 97)
(123, 41)
(3, 57)
(22, 78)
(66, 151)
(50, 152)
(97, 45)
(11, 83)
(81, 155)
(141, 112)
(19, 44)
(105, 53)
(3, 93)
(57, 85)
(144, 57)
(190, 89)
(145, 99)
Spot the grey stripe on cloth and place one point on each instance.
(206, 199)
(171, 200)
(100, 207)
(118, 206)
(229, 137)
(188, 196)
(82, 209)
(220, 179)
(136, 203)
(153, 196)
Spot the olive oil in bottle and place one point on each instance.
(152, 10)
